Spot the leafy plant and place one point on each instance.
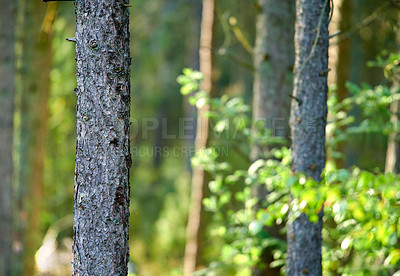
(361, 208)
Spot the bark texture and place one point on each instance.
(194, 232)
(273, 84)
(308, 121)
(7, 89)
(103, 160)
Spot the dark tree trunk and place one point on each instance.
(273, 83)
(308, 121)
(195, 226)
(103, 160)
(7, 89)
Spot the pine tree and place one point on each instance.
(195, 226)
(7, 89)
(103, 160)
(308, 121)
(273, 83)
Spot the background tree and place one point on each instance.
(7, 92)
(103, 159)
(308, 122)
(392, 164)
(34, 46)
(195, 226)
(273, 83)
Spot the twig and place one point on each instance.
(239, 35)
(367, 20)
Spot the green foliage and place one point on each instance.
(372, 102)
(361, 208)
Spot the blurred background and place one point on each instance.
(165, 39)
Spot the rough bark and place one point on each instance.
(273, 83)
(7, 89)
(103, 160)
(308, 121)
(194, 232)
(35, 43)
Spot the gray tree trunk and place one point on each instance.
(308, 121)
(273, 83)
(103, 160)
(195, 226)
(7, 70)
(393, 149)
(273, 62)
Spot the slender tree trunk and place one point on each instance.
(44, 62)
(194, 232)
(308, 121)
(393, 148)
(273, 83)
(340, 73)
(103, 160)
(7, 89)
(36, 53)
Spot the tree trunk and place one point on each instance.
(393, 150)
(103, 160)
(308, 121)
(273, 62)
(194, 232)
(44, 61)
(7, 89)
(35, 42)
(340, 58)
(392, 164)
(273, 83)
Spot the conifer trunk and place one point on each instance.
(392, 164)
(35, 41)
(195, 226)
(103, 160)
(273, 83)
(308, 121)
(7, 91)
